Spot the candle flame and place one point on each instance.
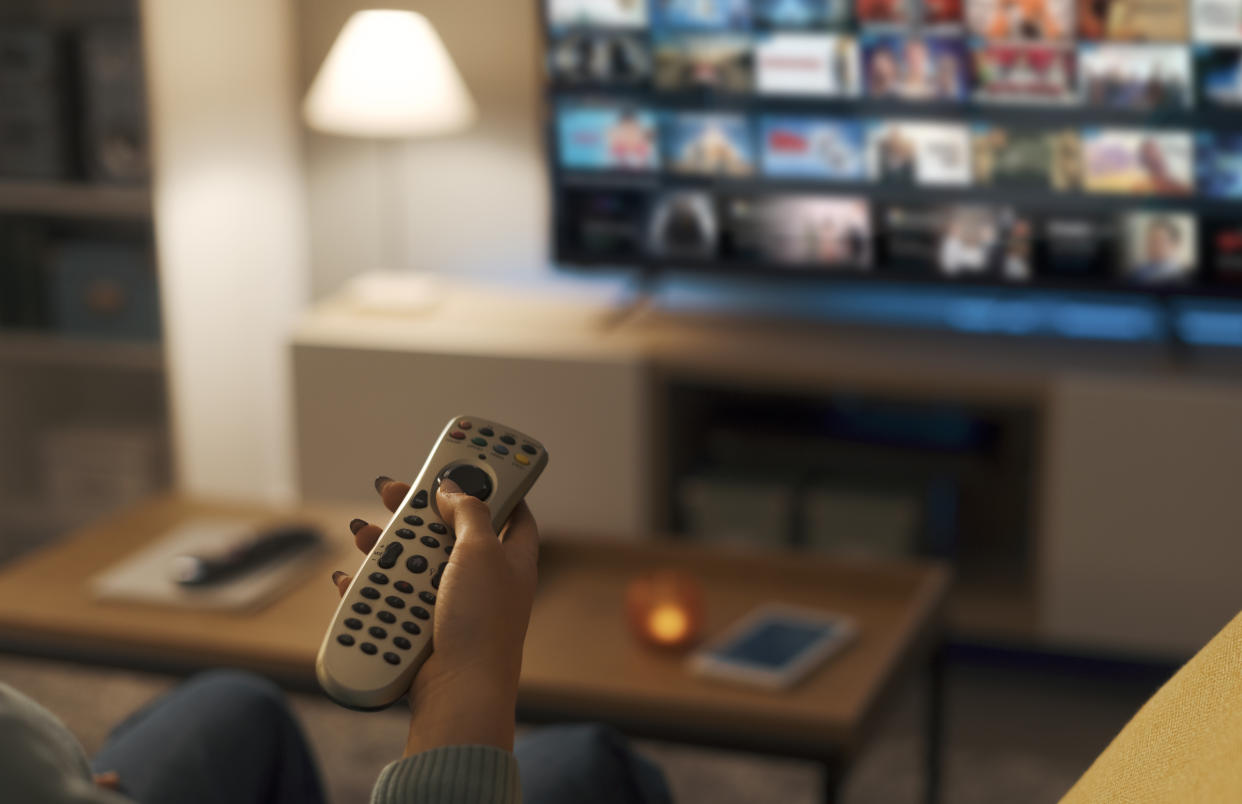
(668, 624)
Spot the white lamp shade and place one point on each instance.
(388, 75)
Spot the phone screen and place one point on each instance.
(772, 644)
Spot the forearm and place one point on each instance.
(461, 711)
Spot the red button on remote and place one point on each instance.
(457, 434)
(465, 425)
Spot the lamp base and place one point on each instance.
(399, 293)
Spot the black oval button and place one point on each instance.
(406, 533)
(411, 628)
(427, 597)
(391, 553)
(377, 632)
(404, 587)
(362, 608)
(401, 642)
(416, 564)
(420, 613)
(369, 593)
(353, 624)
(419, 500)
(345, 639)
(369, 649)
(386, 617)
(430, 541)
(392, 658)
(472, 479)
(414, 520)
(508, 439)
(378, 577)
(436, 527)
(395, 602)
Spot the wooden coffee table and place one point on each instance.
(580, 661)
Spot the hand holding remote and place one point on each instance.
(466, 692)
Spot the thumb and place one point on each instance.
(469, 517)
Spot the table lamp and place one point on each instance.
(388, 77)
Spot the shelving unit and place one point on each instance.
(56, 385)
(48, 349)
(75, 200)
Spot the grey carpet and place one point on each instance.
(1012, 736)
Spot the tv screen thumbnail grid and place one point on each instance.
(1060, 141)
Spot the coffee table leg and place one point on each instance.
(834, 776)
(934, 737)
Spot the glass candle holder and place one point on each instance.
(665, 609)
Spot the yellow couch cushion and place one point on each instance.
(1185, 744)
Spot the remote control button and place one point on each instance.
(420, 499)
(472, 479)
(378, 577)
(353, 624)
(369, 593)
(465, 424)
(457, 435)
(392, 658)
(420, 612)
(529, 450)
(377, 632)
(435, 578)
(430, 541)
(508, 439)
(416, 564)
(500, 449)
(522, 459)
(362, 608)
(401, 642)
(427, 597)
(395, 602)
(487, 431)
(345, 639)
(414, 520)
(386, 617)
(411, 628)
(436, 527)
(404, 587)
(406, 533)
(391, 553)
(369, 649)
(479, 442)
(448, 550)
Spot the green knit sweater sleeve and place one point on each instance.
(462, 774)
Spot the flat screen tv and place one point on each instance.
(1089, 144)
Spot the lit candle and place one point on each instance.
(665, 609)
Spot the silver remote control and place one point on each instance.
(381, 632)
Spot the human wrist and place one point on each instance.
(462, 710)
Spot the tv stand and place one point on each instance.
(1133, 461)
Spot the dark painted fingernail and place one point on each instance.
(449, 487)
(381, 481)
(357, 525)
(336, 578)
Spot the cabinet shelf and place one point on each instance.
(38, 348)
(75, 200)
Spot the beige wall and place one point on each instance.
(472, 204)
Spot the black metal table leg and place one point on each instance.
(834, 776)
(934, 725)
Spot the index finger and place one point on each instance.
(392, 492)
(520, 536)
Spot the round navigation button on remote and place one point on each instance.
(472, 480)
